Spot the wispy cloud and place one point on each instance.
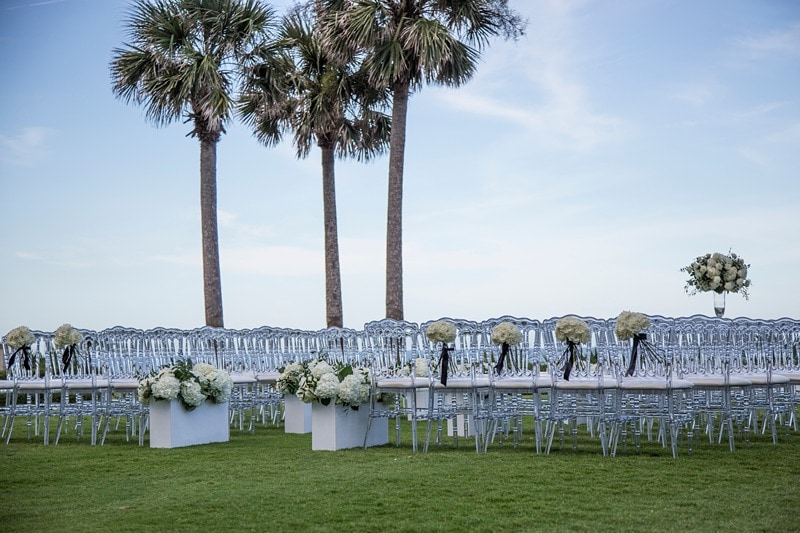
(696, 94)
(31, 4)
(546, 95)
(781, 41)
(25, 148)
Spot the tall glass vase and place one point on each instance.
(719, 303)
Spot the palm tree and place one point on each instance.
(320, 101)
(409, 43)
(182, 62)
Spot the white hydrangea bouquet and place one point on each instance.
(20, 340)
(289, 380)
(442, 331)
(574, 332)
(421, 368)
(67, 338)
(634, 326)
(192, 385)
(506, 334)
(718, 273)
(321, 382)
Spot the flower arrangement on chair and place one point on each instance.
(20, 340)
(573, 331)
(192, 385)
(444, 332)
(67, 338)
(634, 326)
(506, 334)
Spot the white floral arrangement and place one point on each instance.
(422, 368)
(192, 385)
(441, 331)
(630, 324)
(67, 336)
(571, 329)
(718, 273)
(20, 337)
(289, 380)
(320, 382)
(506, 333)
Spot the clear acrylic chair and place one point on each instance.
(583, 398)
(720, 398)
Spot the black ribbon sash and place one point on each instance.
(26, 353)
(569, 358)
(66, 358)
(501, 361)
(444, 362)
(642, 349)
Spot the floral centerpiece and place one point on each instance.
(506, 334)
(67, 338)
(320, 382)
(573, 331)
(20, 340)
(634, 326)
(445, 332)
(192, 385)
(720, 274)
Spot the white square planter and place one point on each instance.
(172, 426)
(296, 415)
(336, 427)
(422, 396)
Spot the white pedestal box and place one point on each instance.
(172, 426)
(296, 415)
(336, 427)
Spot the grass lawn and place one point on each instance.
(270, 481)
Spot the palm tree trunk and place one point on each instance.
(212, 281)
(394, 218)
(333, 280)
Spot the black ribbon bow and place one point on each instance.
(642, 349)
(444, 362)
(26, 352)
(66, 358)
(501, 361)
(569, 357)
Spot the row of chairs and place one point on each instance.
(699, 374)
(739, 372)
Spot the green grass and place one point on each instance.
(270, 481)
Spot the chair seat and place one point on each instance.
(716, 380)
(124, 384)
(401, 383)
(6, 384)
(765, 379)
(268, 377)
(85, 384)
(794, 377)
(240, 378)
(654, 384)
(587, 384)
(37, 385)
(462, 383)
(543, 381)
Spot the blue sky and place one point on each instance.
(579, 170)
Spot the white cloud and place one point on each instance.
(782, 41)
(535, 84)
(25, 148)
(697, 94)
